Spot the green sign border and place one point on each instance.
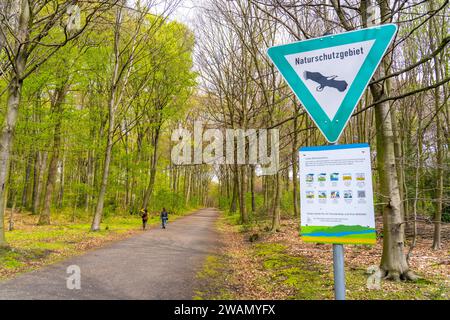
(333, 128)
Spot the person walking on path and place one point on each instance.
(164, 218)
(144, 216)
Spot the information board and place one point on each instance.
(336, 194)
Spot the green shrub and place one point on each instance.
(446, 214)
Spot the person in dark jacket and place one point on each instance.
(164, 217)
(144, 216)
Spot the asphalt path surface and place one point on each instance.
(157, 264)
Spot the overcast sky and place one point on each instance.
(184, 12)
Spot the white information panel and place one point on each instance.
(336, 194)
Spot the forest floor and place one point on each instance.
(257, 264)
(31, 246)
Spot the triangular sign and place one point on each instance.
(329, 74)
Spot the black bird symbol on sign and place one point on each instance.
(325, 81)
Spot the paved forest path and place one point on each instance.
(157, 264)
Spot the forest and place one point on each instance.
(91, 93)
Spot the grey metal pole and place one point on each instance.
(338, 268)
(339, 272)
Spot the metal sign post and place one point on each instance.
(338, 267)
(339, 271)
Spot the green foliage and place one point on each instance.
(446, 217)
(174, 202)
(286, 202)
(446, 214)
(223, 203)
(155, 95)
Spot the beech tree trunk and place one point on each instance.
(393, 261)
(439, 168)
(12, 108)
(439, 148)
(95, 226)
(112, 105)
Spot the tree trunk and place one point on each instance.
(44, 217)
(295, 191)
(61, 184)
(12, 108)
(233, 205)
(416, 185)
(242, 194)
(95, 226)
(26, 184)
(187, 183)
(276, 204)
(90, 179)
(439, 167)
(39, 170)
(112, 105)
(6, 139)
(438, 142)
(398, 158)
(10, 194)
(393, 261)
(151, 183)
(265, 192)
(252, 187)
(13, 210)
